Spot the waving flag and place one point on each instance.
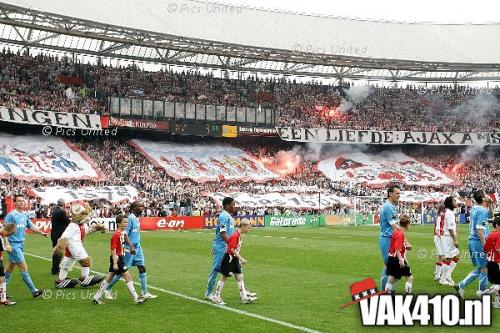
(289, 200)
(203, 162)
(31, 157)
(113, 194)
(379, 169)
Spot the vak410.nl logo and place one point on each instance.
(382, 309)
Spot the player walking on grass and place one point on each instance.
(438, 234)
(117, 263)
(397, 265)
(449, 242)
(492, 250)
(224, 230)
(8, 230)
(14, 244)
(134, 256)
(231, 264)
(479, 230)
(388, 223)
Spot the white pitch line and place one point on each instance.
(223, 307)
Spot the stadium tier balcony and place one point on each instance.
(58, 84)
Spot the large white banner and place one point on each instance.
(32, 157)
(113, 194)
(382, 168)
(50, 118)
(347, 136)
(203, 162)
(289, 200)
(422, 197)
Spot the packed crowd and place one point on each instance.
(401, 109)
(166, 196)
(37, 82)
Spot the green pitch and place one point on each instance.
(302, 277)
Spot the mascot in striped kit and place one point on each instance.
(71, 246)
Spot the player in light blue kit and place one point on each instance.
(224, 230)
(388, 222)
(478, 231)
(14, 244)
(134, 256)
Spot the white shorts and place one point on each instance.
(438, 241)
(449, 247)
(77, 251)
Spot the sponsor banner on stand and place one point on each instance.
(108, 222)
(429, 217)
(30, 157)
(203, 163)
(347, 136)
(339, 219)
(44, 225)
(364, 218)
(210, 222)
(147, 223)
(50, 118)
(380, 169)
(416, 218)
(113, 194)
(256, 131)
(288, 200)
(229, 131)
(138, 123)
(171, 223)
(293, 221)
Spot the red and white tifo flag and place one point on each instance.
(363, 290)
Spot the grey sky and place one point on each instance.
(442, 11)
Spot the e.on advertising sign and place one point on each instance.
(171, 223)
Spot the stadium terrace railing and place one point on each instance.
(190, 112)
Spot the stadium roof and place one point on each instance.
(200, 34)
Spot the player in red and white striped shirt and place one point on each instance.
(449, 242)
(117, 263)
(438, 233)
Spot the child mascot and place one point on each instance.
(71, 246)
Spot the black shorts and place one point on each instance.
(121, 265)
(2, 273)
(493, 272)
(230, 264)
(393, 268)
